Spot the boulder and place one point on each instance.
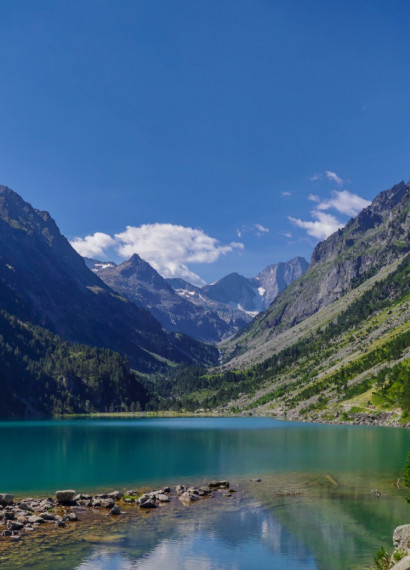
(162, 498)
(115, 511)
(403, 564)
(65, 496)
(14, 525)
(219, 484)
(6, 499)
(72, 517)
(105, 503)
(188, 497)
(34, 519)
(116, 495)
(401, 537)
(47, 516)
(147, 502)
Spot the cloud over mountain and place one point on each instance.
(324, 224)
(168, 248)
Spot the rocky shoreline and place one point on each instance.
(21, 518)
(401, 554)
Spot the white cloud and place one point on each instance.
(313, 198)
(260, 230)
(257, 229)
(168, 248)
(287, 234)
(286, 194)
(334, 177)
(345, 203)
(92, 246)
(316, 177)
(323, 226)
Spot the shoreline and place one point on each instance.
(381, 419)
(19, 519)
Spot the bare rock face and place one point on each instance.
(379, 235)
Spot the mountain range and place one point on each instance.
(333, 345)
(45, 282)
(210, 313)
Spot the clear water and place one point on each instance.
(313, 509)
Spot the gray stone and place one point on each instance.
(188, 497)
(14, 525)
(59, 524)
(107, 503)
(115, 511)
(72, 517)
(219, 484)
(162, 498)
(401, 537)
(34, 519)
(403, 564)
(65, 496)
(47, 516)
(148, 503)
(116, 495)
(6, 499)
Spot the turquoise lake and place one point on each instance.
(313, 509)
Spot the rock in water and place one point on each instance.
(401, 537)
(219, 484)
(65, 496)
(6, 499)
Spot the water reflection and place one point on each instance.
(86, 454)
(237, 538)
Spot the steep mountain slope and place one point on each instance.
(275, 278)
(235, 318)
(136, 280)
(44, 281)
(237, 291)
(379, 235)
(349, 362)
(42, 375)
(256, 293)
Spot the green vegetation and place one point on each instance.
(40, 374)
(382, 560)
(295, 374)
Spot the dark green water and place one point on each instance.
(313, 509)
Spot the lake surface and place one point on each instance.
(313, 509)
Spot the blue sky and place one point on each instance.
(227, 135)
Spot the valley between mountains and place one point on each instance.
(326, 341)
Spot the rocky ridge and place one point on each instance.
(378, 236)
(140, 283)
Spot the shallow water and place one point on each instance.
(313, 509)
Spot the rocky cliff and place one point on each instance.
(376, 237)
